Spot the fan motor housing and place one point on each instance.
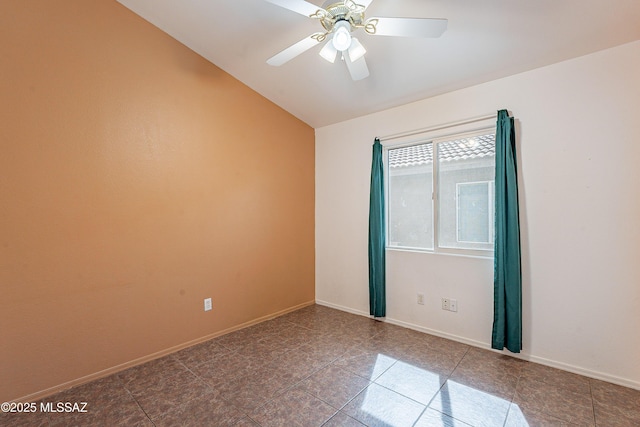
(342, 12)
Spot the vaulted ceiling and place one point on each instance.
(485, 40)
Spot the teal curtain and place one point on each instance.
(377, 292)
(507, 279)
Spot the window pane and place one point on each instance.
(410, 202)
(466, 169)
(473, 212)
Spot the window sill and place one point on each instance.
(457, 253)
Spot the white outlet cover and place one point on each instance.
(207, 304)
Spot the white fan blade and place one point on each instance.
(406, 27)
(294, 50)
(300, 6)
(357, 69)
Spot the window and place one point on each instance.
(446, 204)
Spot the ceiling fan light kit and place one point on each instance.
(356, 50)
(329, 52)
(342, 18)
(342, 35)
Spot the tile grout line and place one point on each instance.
(593, 404)
(515, 392)
(442, 385)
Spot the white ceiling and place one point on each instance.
(485, 40)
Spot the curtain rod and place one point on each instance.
(437, 127)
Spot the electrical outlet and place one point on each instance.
(445, 303)
(421, 299)
(207, 304)
(453, 305)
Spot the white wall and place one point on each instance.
(578, 126)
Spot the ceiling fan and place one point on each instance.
(341, 18)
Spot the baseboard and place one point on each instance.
(139, 361)
(487, 346)
(585, 372)
(342, 308)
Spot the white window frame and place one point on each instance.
(438, 135)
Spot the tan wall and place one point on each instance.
(136, 179)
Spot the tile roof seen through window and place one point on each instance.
(458, 149)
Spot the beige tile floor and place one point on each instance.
(322, 367)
